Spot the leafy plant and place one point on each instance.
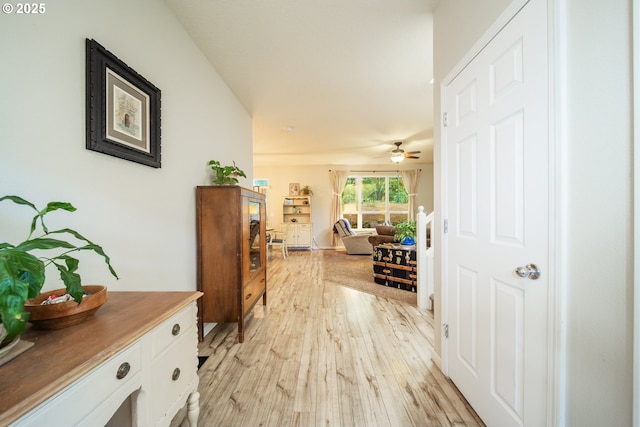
(405, 229)
(306, 190)
(22, 274)
(225, 174)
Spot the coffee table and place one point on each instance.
(395, 266)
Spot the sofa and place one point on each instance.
(384, 234)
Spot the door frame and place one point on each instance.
(635, 23)
(557, 308)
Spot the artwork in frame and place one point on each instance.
(123, 109)
(294, 189)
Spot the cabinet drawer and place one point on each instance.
(98, 393)
(173, 328)
(253, 290)
(304, 228)
(174, 375)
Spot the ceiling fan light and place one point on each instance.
(397, 157)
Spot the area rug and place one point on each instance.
(356, 271)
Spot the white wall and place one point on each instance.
(317, 177)
(143, 217)
(598, 197)
(599, 203)
(458, 24)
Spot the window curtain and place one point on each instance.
(410, 179)
(338, 179)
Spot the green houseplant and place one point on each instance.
(22, 273)
(225, 175)
(306, 191)
(406, 233)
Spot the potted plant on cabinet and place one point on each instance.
(22, 273)
(406, 233)
(225, 175)
(306, 191)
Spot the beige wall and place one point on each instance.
(593, 42)
(143, 217)
(317, 177)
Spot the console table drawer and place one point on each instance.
(98, 393)
(174, 328)
(175, 374)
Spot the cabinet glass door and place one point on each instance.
(255, 244)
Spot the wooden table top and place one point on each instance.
(58, 358)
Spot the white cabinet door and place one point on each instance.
(292, 234)
(304, 235)
(299, 235)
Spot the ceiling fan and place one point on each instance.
(398, 154)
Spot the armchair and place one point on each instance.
(355, 244)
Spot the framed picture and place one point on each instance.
(294, 189)
(123, 109)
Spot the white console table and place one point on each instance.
(138, 352)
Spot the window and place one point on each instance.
(368, 201)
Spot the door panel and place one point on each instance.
(467, 313)
(508, 361)
(467, 212)
(507, 171)
(505, 73)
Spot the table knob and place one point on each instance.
(123, 370)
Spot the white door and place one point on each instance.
(496, 147)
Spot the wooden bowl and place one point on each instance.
(64, 314)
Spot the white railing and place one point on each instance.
(424, 248)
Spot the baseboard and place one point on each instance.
(208, 327)
(435, 358)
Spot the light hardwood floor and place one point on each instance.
(321, 354)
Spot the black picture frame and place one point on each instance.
(123, 109)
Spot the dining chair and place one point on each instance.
(279, 238)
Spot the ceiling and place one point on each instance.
(326, 82)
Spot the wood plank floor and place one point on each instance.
(321, 354)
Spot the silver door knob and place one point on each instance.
(530, 270)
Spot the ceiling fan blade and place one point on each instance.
(412, 152)
(411, 157)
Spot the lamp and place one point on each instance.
(397, 157)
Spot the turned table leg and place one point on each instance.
(193, 410)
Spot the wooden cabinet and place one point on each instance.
(296, 213)
(231, 238)
(135, 358)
